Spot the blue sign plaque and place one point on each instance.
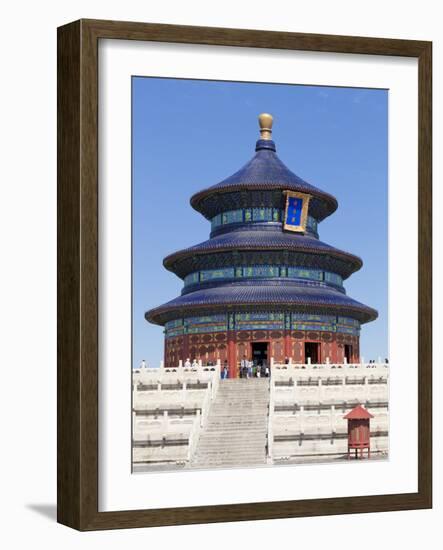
(296, 212)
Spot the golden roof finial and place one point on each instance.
(265, 122)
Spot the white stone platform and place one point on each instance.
(190, 418)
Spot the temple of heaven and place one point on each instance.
(263, 285)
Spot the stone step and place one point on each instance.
(250, 429)
(255, 454)
(244, 391)
(247, 413)
(253, 390)
(238, 417)
(237, 429)
(239, 412)
(250, 408)
(214, 449)
(221, 419)
(232, 422)
(228, 463)
(244, 401)
(223, 456)
(236, 443)
(245, 407)
(234, 461)
(239, 449)
(256, 404)
(233, 436)
(226, 415)
(212, 453)
(232, 408)
(240, 403)
(240, 400)
(229, 442)
(229, 435)
(220, 415)
(231, 432)
(244, 419)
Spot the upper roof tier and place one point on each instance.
(264, 172)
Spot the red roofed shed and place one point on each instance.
(359, 432)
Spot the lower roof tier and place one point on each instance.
(238, 297)
(187, 260)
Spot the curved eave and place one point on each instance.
(264, 172)
(237, 297)
(263, 241)
(197, 201)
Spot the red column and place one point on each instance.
(340, 353)
(232, 355)
(185, 348)
(298, 351)
(288, 346)
(287, 351)
(334, 358)
(166, 355)
(356, 350)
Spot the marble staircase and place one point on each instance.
(235, 433)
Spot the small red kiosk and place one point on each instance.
(359, 433)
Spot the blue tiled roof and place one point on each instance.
(264, 171)
(259, 184)
(263, 240)
(282, 297)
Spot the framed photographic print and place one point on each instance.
(244, 275)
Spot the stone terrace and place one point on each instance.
(191, 418)
(308, 402)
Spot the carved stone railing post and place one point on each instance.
(270, 419)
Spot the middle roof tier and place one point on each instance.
(256, 247)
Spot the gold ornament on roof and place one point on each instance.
(265, 121)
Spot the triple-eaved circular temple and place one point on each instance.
(263, 285)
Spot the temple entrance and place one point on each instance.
(348, 353)
(312, 352)
(260, 353)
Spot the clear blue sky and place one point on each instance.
(188, 135)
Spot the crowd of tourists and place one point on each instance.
(193, 365)
(252, 369)
(247, 368)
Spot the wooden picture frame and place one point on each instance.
(78, 274)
